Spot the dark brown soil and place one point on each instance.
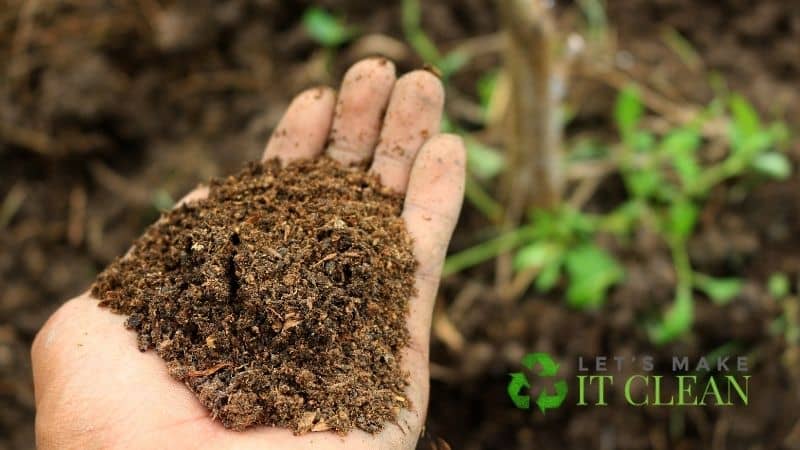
(280, 299)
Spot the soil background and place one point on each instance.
(110, 109)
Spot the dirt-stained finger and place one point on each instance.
(359, 110)
(198, 193)
(414, 114)
(304, 128)
(432, 205)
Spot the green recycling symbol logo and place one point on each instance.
(519, 384)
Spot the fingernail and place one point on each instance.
(381, 60)
(319, 91)
(433, 69)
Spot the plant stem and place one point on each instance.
(414, 34)
(683, 266)
(487, 250)
(482, 201)
(534, 177)
(716, 174)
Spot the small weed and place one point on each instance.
(778, 286)
(328, 30)
(667, 178)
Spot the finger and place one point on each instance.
(359, 110)
(302, 131)
(198, 193)
(433, 202)
(414, 114)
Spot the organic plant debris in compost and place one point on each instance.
(280, 299)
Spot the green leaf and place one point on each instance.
(745, 118)
(778, 285)
(688, 169)
(562, 225)
(641, 141)
(544, 222)
(485, 162)
(750, 146)
(574, 223)
(773, 164)
(452, 63)
(681, 218)
(681, 146)
(719, 290)
(549, 275)
(162, 201)
(747, 133)
(537, 254)
(677, 320)
(592, 271)
(623, 219)
(411, 12)
(485, 87)
(682, 47)
(780, 132)
(326, 29)
(643, 183)
(628, 110)
(681, 140)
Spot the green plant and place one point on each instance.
(563, 243)
(778, 285)
(328, 30)
(667, 177)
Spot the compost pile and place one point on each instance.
(281, 299)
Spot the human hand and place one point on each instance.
(94, 389)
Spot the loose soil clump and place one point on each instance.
(281, 299)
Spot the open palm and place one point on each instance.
(94, 389)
